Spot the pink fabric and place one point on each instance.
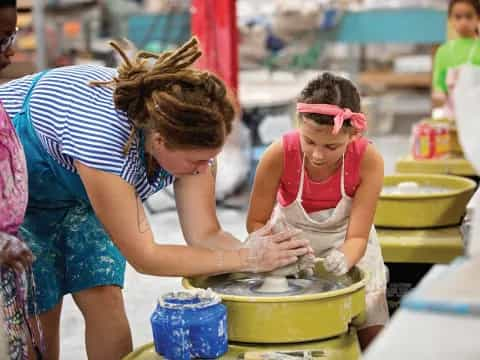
(13, 177)
(358, 120)
(326, 194)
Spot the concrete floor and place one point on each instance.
(141, 291)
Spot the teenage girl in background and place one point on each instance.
(464, 16)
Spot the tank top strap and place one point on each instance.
(302, 179)
(291, 151)
(292, 160)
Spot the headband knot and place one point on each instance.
(358, 120)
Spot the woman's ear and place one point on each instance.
(157, 142)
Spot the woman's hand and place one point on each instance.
(267, 251)
(14, 252)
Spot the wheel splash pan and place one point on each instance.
(424, 210)
(294, 318)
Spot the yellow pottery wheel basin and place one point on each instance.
(294, 318)
(424, 210)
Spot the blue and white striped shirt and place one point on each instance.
(75, 121)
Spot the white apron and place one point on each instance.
(452, 77)
(327, 229)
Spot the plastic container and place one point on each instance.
(190, 324)
(430, 141)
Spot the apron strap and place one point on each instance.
(342, 178)
(302, 177)
(26, 100)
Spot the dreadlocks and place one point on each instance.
(163, 93)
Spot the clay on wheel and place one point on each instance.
(274, 284)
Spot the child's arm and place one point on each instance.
(267, 179)
(363, 206)
(439, 87)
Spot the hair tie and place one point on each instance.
(358, 120)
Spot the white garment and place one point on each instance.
(453, 76)
(327, 229)
(466, 95)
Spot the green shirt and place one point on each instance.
(452, 54)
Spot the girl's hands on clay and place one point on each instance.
(267, 251)
(14, 252)
(336, 263)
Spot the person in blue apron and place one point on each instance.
(325, 179)
(99, 141)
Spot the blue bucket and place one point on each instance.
(190, 324)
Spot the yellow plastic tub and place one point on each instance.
(424, 210)
(290, 319)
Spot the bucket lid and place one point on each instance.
(189, 299)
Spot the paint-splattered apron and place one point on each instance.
(73, 252)
(327, 229)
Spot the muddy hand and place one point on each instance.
(269, 251)
(335, 262)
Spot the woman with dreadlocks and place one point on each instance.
(99, 141)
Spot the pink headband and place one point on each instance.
(358, 120)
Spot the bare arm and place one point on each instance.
(120, 211)
(195, 198)
(439, 74)
(267, 180)
(363, 206)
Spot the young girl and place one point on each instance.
(464, 16)
(325, 179)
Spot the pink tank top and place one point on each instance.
(13, 177)
(317, 195)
